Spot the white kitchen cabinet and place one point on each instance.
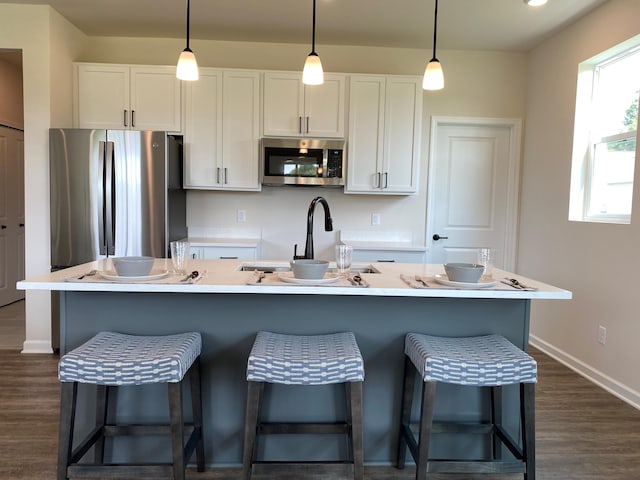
(127, 96)
(292, 109)
(223, 252)
(385, 116)
(222, 130)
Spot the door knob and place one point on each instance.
(21, 225)
(437, 237)
(3, 227)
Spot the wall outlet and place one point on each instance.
(375, 219)
(602, 335)
(241, 216)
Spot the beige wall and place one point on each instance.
(595, 261)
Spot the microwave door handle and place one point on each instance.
(101, 200)
(110, 198)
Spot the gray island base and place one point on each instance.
(379, 316)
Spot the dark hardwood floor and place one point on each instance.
(583, 433)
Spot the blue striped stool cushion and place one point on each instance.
(489, 360)
(116, 359)
(305, 360)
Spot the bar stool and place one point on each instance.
(305, 360)
(484, 361)
(110, 360)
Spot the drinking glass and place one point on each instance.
(343, 258)
(179, 255)
(486, 257)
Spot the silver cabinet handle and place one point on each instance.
(386, 179)
(226, 178)
(377, 184)
(307, 125)
(124, 118)
(133, 118)
(218, 175)
(300, 124)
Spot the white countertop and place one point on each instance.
(224, 276)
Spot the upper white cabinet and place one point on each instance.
(385, 116)
(292, 109)
(127, 96)
(222, 130)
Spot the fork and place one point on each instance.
(421, 281)
(88, 274)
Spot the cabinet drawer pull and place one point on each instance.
(228, 258)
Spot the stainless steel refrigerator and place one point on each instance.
(114, 193)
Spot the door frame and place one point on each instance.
(514, 125)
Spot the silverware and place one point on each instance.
(408, 281)
(421, 281)
(515, 283)
(260, 277)
(358, 279)
(192, 275)
(88, 274)
(352, 281)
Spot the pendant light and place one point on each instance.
(312, 73)
(433, 77)
(187, 68)
(535, 3)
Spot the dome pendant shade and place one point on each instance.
(433, 77)
(187, 68)
(312, 73)
(535, 3)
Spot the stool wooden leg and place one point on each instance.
(527, 413)
(68, 395)
(496, 419)
(408, 385)
(177, 429)
(426, 421)
(254, 398)
(354, 419)
(196, 407)
(102, 396)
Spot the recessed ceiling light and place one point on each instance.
(535, 3)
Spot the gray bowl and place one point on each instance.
(464, 272)
(309, 269)
(132, 266)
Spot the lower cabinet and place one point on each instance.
(218, 253)
(381, 256)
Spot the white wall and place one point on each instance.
(597, 262)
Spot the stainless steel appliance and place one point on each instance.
(303, 161)
(114, 193)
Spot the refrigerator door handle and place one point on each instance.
(109, 198)
(101, 196)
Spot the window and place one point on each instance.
(605, 137)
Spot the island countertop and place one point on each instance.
(227, 276)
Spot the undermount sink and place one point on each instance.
(271, 267)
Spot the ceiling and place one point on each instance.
(507, 25)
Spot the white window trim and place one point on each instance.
(582, 154)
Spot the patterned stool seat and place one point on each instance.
(305, 360)
(117, 359)
(489, 360)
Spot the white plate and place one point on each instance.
(113, 277)
(289, 278)
(482, 283)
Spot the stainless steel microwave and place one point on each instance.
(303, 161)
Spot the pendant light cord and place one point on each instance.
(435, 30)
(313, 30)
(188, 17)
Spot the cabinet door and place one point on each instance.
(155, 99)
(102, 96)
(365, 146)
(203, 131)
(324, 108)
(402, 121)
(241, 130)
(283, 104)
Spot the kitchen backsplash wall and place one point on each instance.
(281, 214)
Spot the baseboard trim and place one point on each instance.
(609, 384)
(36, 346)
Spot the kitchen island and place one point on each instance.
(227, 306)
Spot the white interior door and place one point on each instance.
(473, 189)
(11, 214)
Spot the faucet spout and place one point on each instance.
(328, 224)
